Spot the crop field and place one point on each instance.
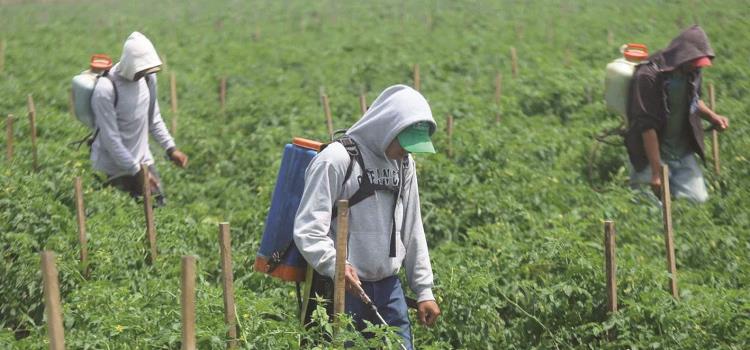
(513, 216)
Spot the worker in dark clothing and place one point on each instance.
(664, 115)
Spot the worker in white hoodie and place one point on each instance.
(126, 110)
(385, 227)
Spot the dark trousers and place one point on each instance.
(129, 183)
(389, 298)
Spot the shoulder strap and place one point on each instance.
(114, 87)
(91, 137)
(366, 187)
(152, 97)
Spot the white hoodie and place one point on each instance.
(370, 221)
(122, 143)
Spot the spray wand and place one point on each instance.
(368, 302)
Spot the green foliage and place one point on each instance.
(514, 227)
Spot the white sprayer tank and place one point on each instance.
(83, 87)
(619, 75)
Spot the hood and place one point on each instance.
(692, 43)
(138, 54)
(396, 108)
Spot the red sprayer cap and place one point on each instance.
(100, 62)
(635, 52)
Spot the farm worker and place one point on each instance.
(664, 116)
(123, 126)
(385, 229)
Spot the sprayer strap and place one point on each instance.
(150, 82)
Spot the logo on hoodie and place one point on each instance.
(385, 177)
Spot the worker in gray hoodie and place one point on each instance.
(385, 228)
(126, 110)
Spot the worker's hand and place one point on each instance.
(720, 122)
(655, 184)
(353, 285)
(178, 158)
(428, 312)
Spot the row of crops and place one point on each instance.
(515, 228)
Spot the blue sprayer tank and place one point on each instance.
(278, 256)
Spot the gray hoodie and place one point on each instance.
(122, 143)
(370, 221)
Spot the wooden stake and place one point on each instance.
(149, 212)
(449, 130)
(514, 62)
(164, 62)
(327, 111)
(519, 31)
(32, 123)
(71, 103)
(611, 265)
(668, 233)
(610, 38)
(52, 303)
(9, 138)
(256, 34)
(714, 132)
(342, 231)
(498, 95)
(362, 103)
(81, 220)
(227, 279)
(2, 55)
(223, 93)
(173, 100)
(187, 301)
(417, 83)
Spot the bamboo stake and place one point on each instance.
(52, 304)
(327, 111)
(342, 231)
(149, 212)
(227, 279)
(714, 132)
(81, 220)
(449, 130)
(668, 232)
(223, 93)
(9, 138)
(32, 123)
(514, 62)
(498, 95)
(611, 265)
(417, 82)
(187, 301)
(362, 103)
(173, 100)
